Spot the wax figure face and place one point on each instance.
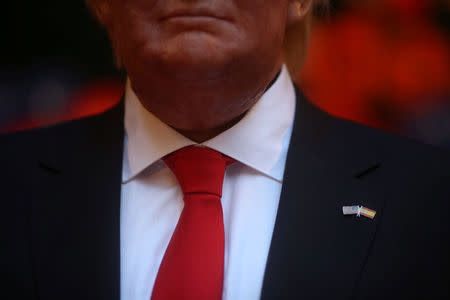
(199, 64)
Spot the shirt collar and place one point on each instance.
(256, 140)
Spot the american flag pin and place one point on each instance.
(358, 210)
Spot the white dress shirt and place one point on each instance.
(151, 200)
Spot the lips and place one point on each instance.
(194, 14)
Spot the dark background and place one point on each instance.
(384, 63)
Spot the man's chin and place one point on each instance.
(195, 70)
(196, 54)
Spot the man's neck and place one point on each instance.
(203, 135)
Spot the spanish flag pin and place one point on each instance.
(366, 212)
(358, 210)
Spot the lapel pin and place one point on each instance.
(358, 210)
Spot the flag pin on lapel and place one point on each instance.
(358, 210)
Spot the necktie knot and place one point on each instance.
(198, 169)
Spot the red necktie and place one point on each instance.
(192, 267)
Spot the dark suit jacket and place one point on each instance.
(60, 195)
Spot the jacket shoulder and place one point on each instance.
(352, 140)
(62, 136)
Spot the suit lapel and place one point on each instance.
(75, 212)
(316, 252)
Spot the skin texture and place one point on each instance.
(199, 65)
